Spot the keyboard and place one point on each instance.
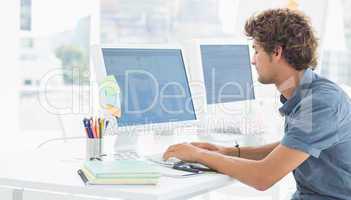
(171, 161)
(220, 128)
(158, 159)
(132, 155)
(226, 130)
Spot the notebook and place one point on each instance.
(91, 180)
(119, 172)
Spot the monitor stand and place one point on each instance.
(219, 130)
(164, 132)
(119, 141)
(218, 136)
(119, 138)
(126, 142)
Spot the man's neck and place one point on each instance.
(288, 82)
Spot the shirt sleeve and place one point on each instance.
(312, 127)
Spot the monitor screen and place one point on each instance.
(154, 85)
(227, 73)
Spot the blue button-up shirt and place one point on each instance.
(318, 122)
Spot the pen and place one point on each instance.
(106, 124)
(82, 176)
(87, 127)
(91, 127)
(97, 127)
(94, 127)
(101, 127)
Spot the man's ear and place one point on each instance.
(278, 52)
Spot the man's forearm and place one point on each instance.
(245, 170)
(260, 174)
(252, 153)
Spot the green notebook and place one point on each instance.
(121, 169)
(118, 181)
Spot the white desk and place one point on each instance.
(54, 168)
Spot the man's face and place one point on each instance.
(263, 63)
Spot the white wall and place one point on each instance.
(9, 78)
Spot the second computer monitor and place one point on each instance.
(227, 72)
(154, 85)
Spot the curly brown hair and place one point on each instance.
(289, 29)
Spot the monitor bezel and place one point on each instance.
(100, 73)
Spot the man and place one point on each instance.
(316, 145)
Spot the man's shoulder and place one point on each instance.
(322, 93)
(324, 84)
(325, 91)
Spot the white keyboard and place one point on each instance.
(226, 130)
(158, 158)
(132, 155)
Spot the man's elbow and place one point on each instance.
(262, 187)
(263, 184)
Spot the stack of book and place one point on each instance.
(120, 172)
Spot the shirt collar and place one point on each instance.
(299, 93)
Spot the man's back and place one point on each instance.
(320, 124)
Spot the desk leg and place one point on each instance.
(17, 194)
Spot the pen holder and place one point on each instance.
(93, 148)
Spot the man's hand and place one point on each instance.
(213, 147)
(185, 151)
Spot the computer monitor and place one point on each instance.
(227, 73)
(156, 95)
(228, 81)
